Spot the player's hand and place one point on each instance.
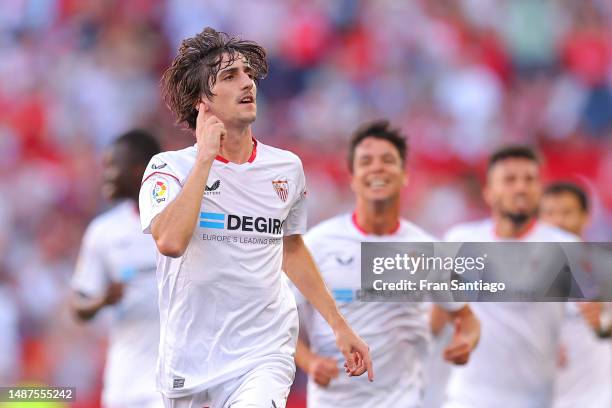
(465, 339)
(323, 369)
(210, 132)
(591, 311)
(114, 293)
(356, 352)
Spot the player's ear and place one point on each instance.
(203, 100)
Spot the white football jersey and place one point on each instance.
(114, 249)
(224, 307)
(586, 378)
(397, 332)
(515, 361)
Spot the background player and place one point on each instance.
(397, 332)
(116, 268)
(516, 358)
(585, 375)
(226, 215)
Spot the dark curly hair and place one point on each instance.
(193, 71)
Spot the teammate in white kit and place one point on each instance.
(397, 332)
(227, 214)
(514, 365)
(116, 268)
(584, 379)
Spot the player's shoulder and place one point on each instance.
(106, 222)
(469, 231)
(278, 155)
(177, 163)
(328, 233)
(331, 227)
(548, 232)
(412, 232)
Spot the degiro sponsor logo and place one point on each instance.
(245, 223)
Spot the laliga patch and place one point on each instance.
(159, 193)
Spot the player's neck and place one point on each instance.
(379, 218)
(237, 145)
(506, 228)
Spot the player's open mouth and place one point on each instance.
(377, 183)
(247, 99)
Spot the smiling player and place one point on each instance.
(398, 332)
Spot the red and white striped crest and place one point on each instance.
(282, 189)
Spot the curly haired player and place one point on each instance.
(227, 214)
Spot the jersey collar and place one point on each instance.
(251, 158)
(363, 232)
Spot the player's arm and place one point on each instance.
(301, 269)
(466, 335)
(173, 227)
(321, 369)
(86, 307)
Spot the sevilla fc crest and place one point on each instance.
(282, 189)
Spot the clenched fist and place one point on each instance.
(323, 369)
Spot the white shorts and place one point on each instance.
(266, 386)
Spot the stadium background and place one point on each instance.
(459, 77)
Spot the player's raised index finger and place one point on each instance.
(201, 118)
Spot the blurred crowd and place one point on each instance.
(460, 78)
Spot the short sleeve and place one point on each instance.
(297, 219)
(91, 276)
(159, 187)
